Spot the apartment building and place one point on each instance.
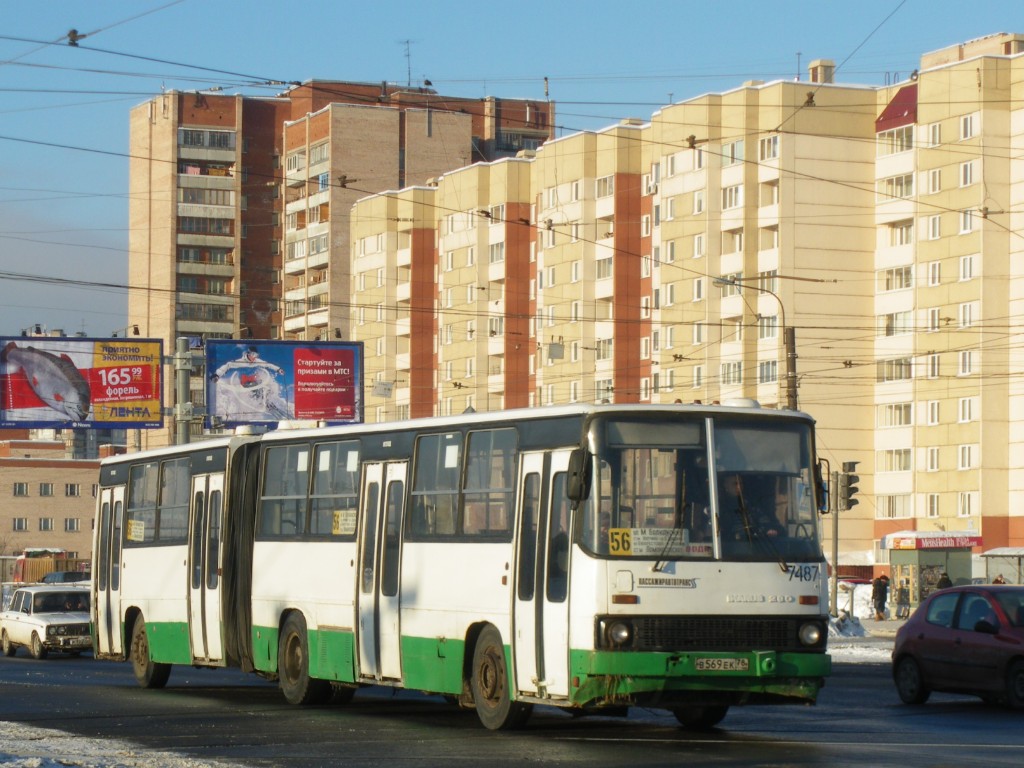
(670, 261)
(239, 206)
(48, 499)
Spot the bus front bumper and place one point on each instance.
(602, 678)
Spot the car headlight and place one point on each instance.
(810, 633)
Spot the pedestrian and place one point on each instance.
(879, 594)
(999, 579)
(944, 581)
(903, 600)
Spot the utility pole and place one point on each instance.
(789, 340)
(182, 397)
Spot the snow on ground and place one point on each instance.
(23, 746)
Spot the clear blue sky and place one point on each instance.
(64, 110)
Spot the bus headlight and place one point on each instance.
(810, 633)
(619, 633)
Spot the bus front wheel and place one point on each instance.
(149, 673)
(491, 696)
(293, 665)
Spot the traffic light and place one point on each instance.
(848, 485)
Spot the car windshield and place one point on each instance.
(60, 602)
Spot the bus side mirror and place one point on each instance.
(578, 485)
(821, 491)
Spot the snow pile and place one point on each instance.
(22, 746)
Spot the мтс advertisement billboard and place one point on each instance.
(51, 382)
(253, 382)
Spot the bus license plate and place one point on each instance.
(721, 665)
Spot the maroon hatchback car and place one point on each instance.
(966, 639)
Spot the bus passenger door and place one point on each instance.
(107, 572)
(380, 544)
(541, 651)
(204, 574)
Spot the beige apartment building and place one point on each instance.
(239, 206)
(670, 260)
(48, 500)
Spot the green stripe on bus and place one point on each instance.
(433, 664)
(331, 657)
(169, 642)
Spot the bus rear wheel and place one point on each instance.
(491, 695)
(149, 673)
(700, 718)
(293, 665)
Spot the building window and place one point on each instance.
(46, 524)
(768, 148)
(892, 506)
(21, 524)
(698, 201)
(933, 366)
(698, 246)
(932, 507)
(21, 489)
(966, 457)
(895, 415)
(895, 323)
(933, 412)
(895, 141)
(46, 489)
(901, 233)
(966, 268)
(967, 503)
(933, 134)
(966, 367)
(732, 373)
(933, 459)
(732, 240)
(768, 327)
(966, 314)
(698, 376)
(967, 173)
(934, 181)
(898, 369)
(894, 460)
(72, 525)
(896, 279)
(767, 371)
(732, 197)
(968, 127)
(966, 222)
(605, 186)
(934, 227)
(966, 410)
(732, 153)
(698, 289)
(896, 187)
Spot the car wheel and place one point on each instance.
(38, 649)
(1015, 685)
(9, 648)
(148, 673)
(910, 682)
(700, 718)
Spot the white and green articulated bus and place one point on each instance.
(581, 557)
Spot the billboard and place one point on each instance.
(260, 382)
(52, 382)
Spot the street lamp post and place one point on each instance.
(788, 338)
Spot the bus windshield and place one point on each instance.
(652, 495)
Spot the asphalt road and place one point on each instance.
(226, 716)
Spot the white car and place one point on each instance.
(46, 618)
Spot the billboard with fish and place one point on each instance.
(263, 382)
(51, 382)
